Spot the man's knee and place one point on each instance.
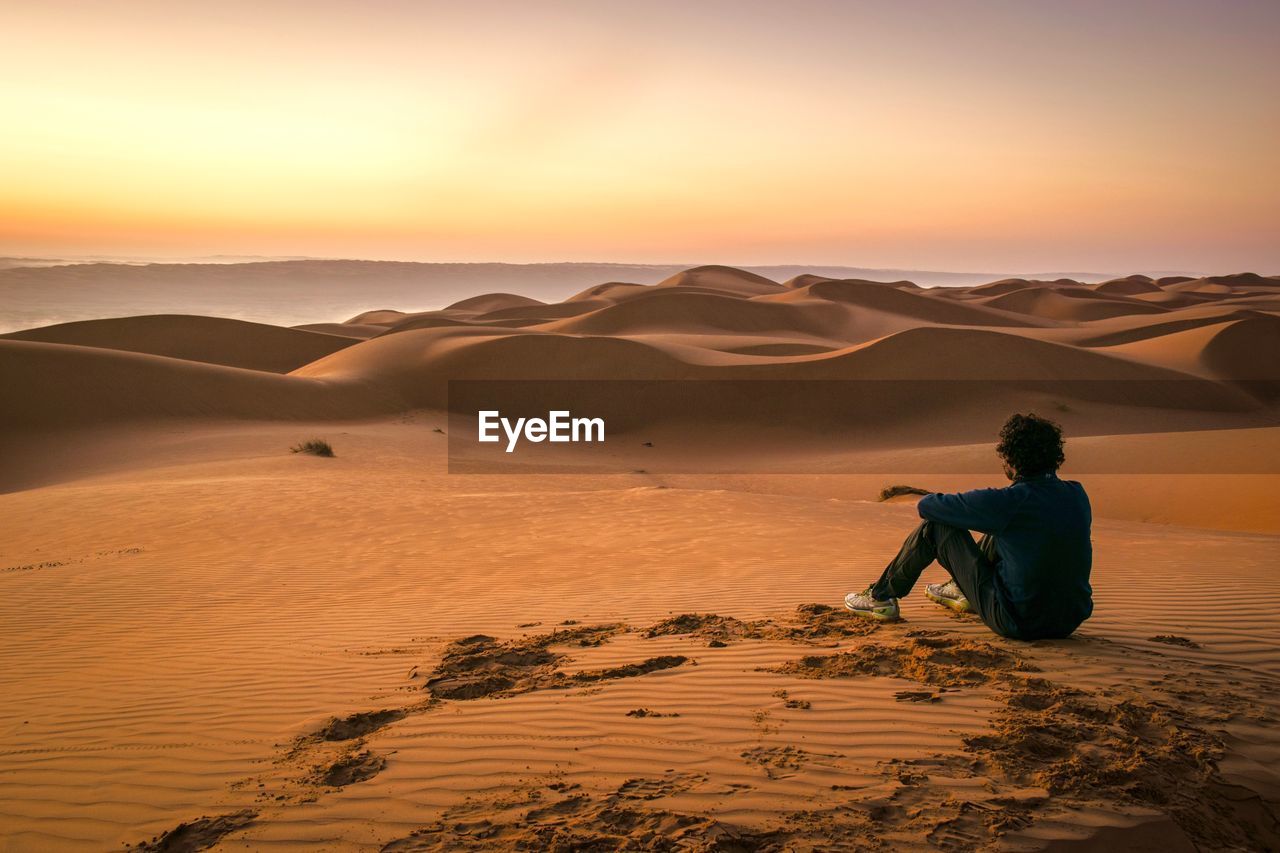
(937, 532)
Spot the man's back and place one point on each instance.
(1041, 525)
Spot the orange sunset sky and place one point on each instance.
(1011, 136)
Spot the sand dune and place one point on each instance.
(379, 317)
(612, 290)
(1222, 285)
(1254, 302)
(1240, 349)
(534, 314)
(234, 343)
(282, 292)
(351, 330)
(892, 300)
(1012, 285)
(488, 302)
(682, 311)
(582, 346)
(417, 364)
(1200, 286)
(777, 348)
(975, 355)
(954, 377)
(723, 280)
(1247, 280)
(1129, 285)
(1130, 329)
(431, 320)
(804, 281)
(710, 323)
(1173, 299)
(55, 386)
(1247, 349)
(291, 292)
(1068, 304)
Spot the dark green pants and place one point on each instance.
(971, 564)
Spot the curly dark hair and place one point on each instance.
(1031, 444)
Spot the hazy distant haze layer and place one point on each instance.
(290, 293)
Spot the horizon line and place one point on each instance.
(228, 259)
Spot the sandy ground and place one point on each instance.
(169, 633)
(209, 641)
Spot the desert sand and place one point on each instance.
(212, 642)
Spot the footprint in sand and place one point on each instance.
(780, 761)
(198, 834)
(349, 769)
(652, 789)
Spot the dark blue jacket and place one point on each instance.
(1041, 527)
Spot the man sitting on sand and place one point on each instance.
(1028, 577)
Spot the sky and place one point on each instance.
(1012, 136)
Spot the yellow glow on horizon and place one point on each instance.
(610, 138)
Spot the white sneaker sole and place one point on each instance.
(873, 614)
(960, 605)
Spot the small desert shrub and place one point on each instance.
(316, 447)
(894, 491)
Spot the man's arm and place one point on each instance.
(983, 510)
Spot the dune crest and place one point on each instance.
(214, 340)
(710, 322)
(723, 279)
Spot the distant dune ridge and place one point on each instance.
(213, 340)
(709, 322)
(290, 292)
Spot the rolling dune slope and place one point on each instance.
(234, 343)
(873, 296)
(707, 323)
(1062, 304)
(57, 386)
(1238, 349)
(685, 311)
(734, 282)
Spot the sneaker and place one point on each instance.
(948, 595)
(866, 605)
